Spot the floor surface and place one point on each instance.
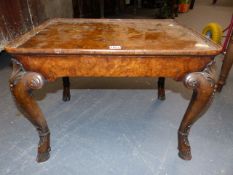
(117, 126)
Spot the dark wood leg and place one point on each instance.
(66, 89)
(226, 66)
(21, 84)
(161, 89)
(203, 85)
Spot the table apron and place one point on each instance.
(56, 66)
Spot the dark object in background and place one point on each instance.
(214, 2)
(148, 3)
(192, 4)
(92, 8)
(18, 17)
(166, 8)
(85, 8)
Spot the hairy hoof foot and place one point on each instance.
(161, 94)
(185, 155)
(42, 157)
(162, 97)
(219, 86)
(66, 95)
(66, 98)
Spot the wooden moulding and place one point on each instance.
(54, 66)
(15, 46)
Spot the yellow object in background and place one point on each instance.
(213, 31)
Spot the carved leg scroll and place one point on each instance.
(203, 85)
(161, 90)
(66, 89)
(21, 83)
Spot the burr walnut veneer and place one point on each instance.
(112, 48)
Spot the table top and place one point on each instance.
(113, 36)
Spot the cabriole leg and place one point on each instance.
(66, 89)
(203, 85)
(21, 84)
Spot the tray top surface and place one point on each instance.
(109, 35)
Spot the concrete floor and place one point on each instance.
(117, 126)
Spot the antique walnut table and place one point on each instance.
(112, 48)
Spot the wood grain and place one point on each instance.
(96, 36)
(52, 67)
